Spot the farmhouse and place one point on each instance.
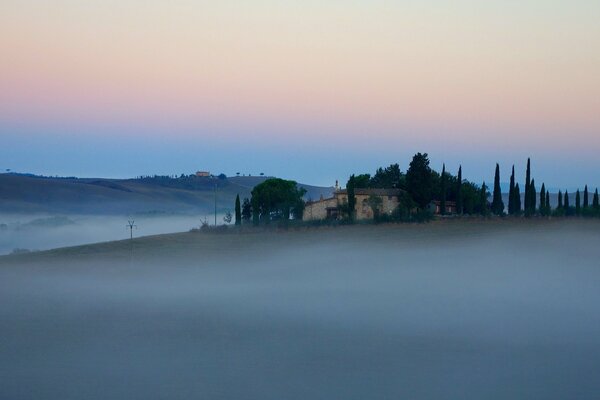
(435, 207)
(385, 201)
(203, 174)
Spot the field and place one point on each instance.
(457, 309)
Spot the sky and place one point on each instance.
(306, 90)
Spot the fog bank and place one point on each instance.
(370, 313)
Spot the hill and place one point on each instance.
(187, 194)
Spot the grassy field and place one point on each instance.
(452, 309)
(232, 242)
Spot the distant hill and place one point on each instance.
(191, 194)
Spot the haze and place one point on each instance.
(445, 310)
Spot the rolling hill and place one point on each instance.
(34, 194)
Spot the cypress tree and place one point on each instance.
(351, 197)
(528, 187)
(548, 207)
(459, 195)
(586, 198)
(238, 211)
(543, 199)
(517, 209)
(483, 199)
(533, 199)
(596, 202)
(566, 199)
(497, 203)
(560, 200)
(443, 189)
(577, 203)
(511, 193)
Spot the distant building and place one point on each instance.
(435, 207)
(203, 174)
(330, 208)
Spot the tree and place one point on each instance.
(483, 200)
(497, 203)
(566, 203)
(390, 177)
(517, 209)
(238, 210)
(443, 190)
(578, 203)
(543, 200)
(511, 193)
(548, 207)
(246, 210)
(351, 197)
(560, 200)
(586, 198)
(227, 217)
(362, 181)
(419, 180)
(459, 193)
(596, 201)
(527, 188)
(277, 199)
(533, 199)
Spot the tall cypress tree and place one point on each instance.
(577, 203)
(517, 209)
(543, 200)
(497, 203)
(533, 198)
(586, 198)
(560, 200)
(238, 211)
(596, 202)
(459, 195)
(443, 189)
(483, 199)
(351, 197)
(527, 188)
(566, 201)
(548, 207)
(511, 193)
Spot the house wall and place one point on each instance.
(362, 208)
(317, 210)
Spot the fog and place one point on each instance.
(357, 313)
(46, 231)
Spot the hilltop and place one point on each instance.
(36, 194)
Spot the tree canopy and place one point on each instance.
(277, 199)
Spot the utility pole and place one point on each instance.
(131, 225)
(215, 204)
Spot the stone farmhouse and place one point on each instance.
(330, 208)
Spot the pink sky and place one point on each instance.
(456, 72)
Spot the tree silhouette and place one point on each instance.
(527, 188)
(497, 203)
(351, 197)
(459, 194)
(443, 190)
(419, 180)
(511, 193)
(517, 209)
(542, 207)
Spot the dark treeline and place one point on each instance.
(423, 192)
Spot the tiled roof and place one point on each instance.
(375, 192)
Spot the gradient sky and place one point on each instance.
(308, 90)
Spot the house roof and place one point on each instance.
(374, 192)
